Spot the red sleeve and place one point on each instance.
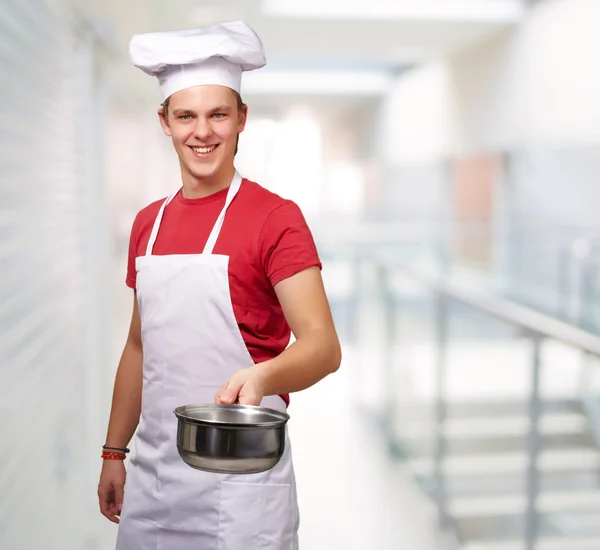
(286, 243)
(130, 281)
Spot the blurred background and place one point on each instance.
(446, 154)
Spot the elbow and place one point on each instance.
(326, 353)
(336, 357)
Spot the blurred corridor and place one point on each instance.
(446, 154)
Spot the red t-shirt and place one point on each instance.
(267, 240)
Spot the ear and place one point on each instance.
(242, 116)
(163, 122)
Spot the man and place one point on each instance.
(221, 271)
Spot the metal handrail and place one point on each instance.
(511, 312)
(538, 326)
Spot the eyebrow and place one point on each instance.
(178, 112)
(219, 109)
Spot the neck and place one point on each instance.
(197, 188)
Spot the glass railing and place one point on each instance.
(486, 390)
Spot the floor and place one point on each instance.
(352, 496)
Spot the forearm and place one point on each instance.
(304, 363)
(127, 397)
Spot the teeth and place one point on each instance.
(203, 149)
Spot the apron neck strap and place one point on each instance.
(156, 225)
(214, 234)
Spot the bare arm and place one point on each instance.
(315, 354)
(124, 418)
(127, 393)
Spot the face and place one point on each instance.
(204, 123)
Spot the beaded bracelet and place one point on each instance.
(106, 455)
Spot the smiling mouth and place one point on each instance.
(201, 151)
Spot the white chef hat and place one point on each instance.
(209, 55)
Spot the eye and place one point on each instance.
(219, 115)
(185, 117)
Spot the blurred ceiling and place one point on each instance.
(314, 47)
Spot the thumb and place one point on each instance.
(229, 393)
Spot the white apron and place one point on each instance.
(192, 345)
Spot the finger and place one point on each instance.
(249, 400)
(114, 517)
(230, 393)
(114, 514)
(119, 499)
(248, 397)
(106, 504)
(103, 501)
(219, 392)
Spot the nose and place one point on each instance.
(202, 129)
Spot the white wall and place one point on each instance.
(417, 125)
(417, 118)
(537, 84)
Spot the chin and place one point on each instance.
(206, 170)
(203, 171)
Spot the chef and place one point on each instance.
(223, 271)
